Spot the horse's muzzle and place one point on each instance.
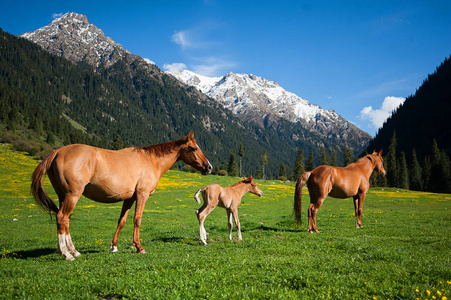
(208, 169)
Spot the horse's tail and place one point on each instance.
(297, 208)
(36, 185)
(196, 195)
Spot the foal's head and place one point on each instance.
(378, 161)
(253, 188)
(191, 154)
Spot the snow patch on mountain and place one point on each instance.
(244, 92)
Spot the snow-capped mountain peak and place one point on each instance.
(254, 98)
(72, 37)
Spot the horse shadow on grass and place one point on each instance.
(36, 253)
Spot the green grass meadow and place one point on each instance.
(402, 251)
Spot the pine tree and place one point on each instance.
(264, 161)
(439, 180)
(415, 182)
(434, 179)
(403, 175)
(392, 170)
(241, 155)
(232, 167)
(117, 143)
(310, 164)
(324, 158)
(348, 156)
(282, 172)
(334, 161)
(426, 173)
(299, 167)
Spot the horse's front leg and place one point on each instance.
(140, 203)
(358, 206)
(237, 223)
(121, 223)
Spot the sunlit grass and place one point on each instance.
(402, 251)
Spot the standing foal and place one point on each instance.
(229, 198)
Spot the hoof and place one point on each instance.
(113, 249)
(70, 258)
(142, 252)
(76, 254)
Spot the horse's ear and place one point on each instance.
(380, 152)
(250, 178)
(191, 135)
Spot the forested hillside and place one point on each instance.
(416, 139)
(47, 100)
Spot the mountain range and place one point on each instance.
(157, 106)
(257, 99)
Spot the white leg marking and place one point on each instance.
(71, 246)
(62, 247)
(113, 249)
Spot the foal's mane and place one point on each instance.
(162, 149)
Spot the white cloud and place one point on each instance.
(57, 15)
(150, 62)
(174, 67)
(212, 66)
(189, 39)
(377, 117)
(181, 38)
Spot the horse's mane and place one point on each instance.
(162, 149)
(245, 180)
(363, 159)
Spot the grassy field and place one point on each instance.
(402, 251)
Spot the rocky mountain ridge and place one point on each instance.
(257, 99)
(74, 38)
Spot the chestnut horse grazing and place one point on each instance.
(350, 181)
(229, 198)
(129, 175)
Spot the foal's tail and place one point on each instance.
(196, 195)
(298, 196)
(36, 185)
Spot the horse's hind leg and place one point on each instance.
(312, 211)
(65, 246)
(121, 223)
(202, 214)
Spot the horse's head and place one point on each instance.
(378, 161)
(253, 188)
(192, 155)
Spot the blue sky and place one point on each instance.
(360, 58)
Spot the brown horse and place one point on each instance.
(350, 181)
(129, 175)
(229, 198)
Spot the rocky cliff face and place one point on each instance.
(72, 37)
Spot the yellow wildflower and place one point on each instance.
(428, 292)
